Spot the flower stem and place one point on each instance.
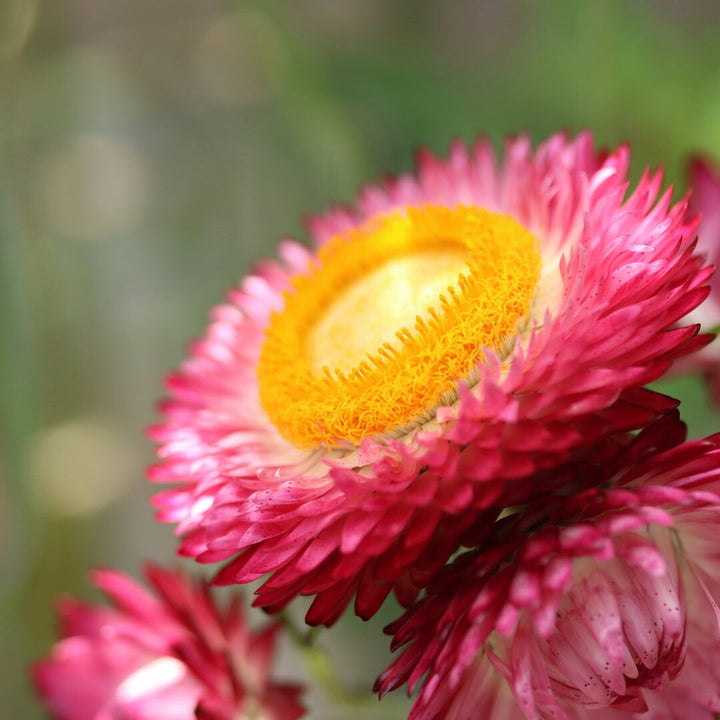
(322, 665)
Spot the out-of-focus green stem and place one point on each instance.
(322, 665)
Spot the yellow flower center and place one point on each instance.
(392, 315)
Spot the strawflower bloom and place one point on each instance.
(704, 178)
(167, 653)
(356, 412)
(602, 605)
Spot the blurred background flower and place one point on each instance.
(152, 151)
(165, 651)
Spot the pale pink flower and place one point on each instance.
(600, 605)
(164, 654)
(704, 180)
(359, 481)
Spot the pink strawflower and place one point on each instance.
(313, 442)
(704, 179)
(599, 605)
(164, 654)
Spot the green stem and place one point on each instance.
(322, 665)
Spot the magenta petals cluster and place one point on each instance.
(551, 534)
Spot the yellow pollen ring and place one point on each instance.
(390, 317)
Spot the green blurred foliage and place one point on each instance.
(151, 152)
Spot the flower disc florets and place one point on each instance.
(357, 412)
(357, 369)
